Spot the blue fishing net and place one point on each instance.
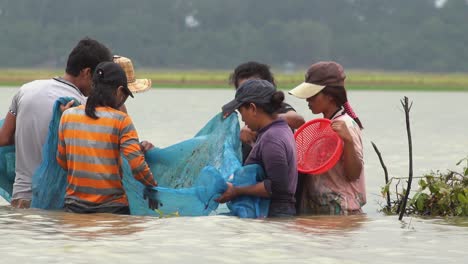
(197, 200)
(248, 206)
(49, 181)
(7, 169)
(193, 173)
(216, 144)
(190, 174)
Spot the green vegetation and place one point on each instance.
(162, 215)
(439, 194)
(356, 80)
(397, 35)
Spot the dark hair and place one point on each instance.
(251, 69)
(339, 95)
(88, 53)
(102, 94)
(273, 106)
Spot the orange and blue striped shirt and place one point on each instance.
(89, 150)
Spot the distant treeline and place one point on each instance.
(416, 35)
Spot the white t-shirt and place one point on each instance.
(32, 105)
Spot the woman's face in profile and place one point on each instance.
(248, 114)
(318, 103)
(121, 97)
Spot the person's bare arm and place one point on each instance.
(352, 164)
(293, 119)
(233, 191)
(247, 136)
(146, 145)
(7, 131)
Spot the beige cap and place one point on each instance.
(135, 85)
(318, 76)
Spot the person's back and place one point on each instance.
(26, 124)
(91, 140)
(92, 148)
(32, 106)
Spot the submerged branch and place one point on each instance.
(385, 172)
(407, 107)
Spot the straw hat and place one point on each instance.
(135, 85)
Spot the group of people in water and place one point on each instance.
(92, 136)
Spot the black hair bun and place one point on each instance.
(277, 99)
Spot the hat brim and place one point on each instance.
(128, 91)
(230, 107)
(139, 85)
(306, 90)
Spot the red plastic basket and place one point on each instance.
(318, 147)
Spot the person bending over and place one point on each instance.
(91, 139)
(275, 149)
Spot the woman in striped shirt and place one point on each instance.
(91, 139)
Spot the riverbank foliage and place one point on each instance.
(439, 194)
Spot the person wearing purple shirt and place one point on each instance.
(274, 150)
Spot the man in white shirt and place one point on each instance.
(27, 121)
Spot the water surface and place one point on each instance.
(166, 116)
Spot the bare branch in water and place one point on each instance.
(385, 172)
(407, 107)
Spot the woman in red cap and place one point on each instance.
(341, 190)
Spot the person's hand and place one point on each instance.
(152, 195)
(340, 127)
(67, 106)
(146, 145)
(228, 195)
(247, 136)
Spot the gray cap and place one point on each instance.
(252, 91)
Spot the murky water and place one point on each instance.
(440, 139)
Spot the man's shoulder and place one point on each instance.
(47, 84)
(36, 83)
(61, 88)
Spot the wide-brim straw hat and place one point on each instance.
(135, 85)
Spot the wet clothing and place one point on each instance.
(246, 148)
(89, 149)
(275, 151)
(32, 105)
(331, 192)
(21, 203)
(72, 206)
